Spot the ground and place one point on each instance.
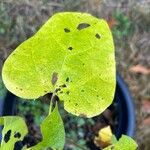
(129, 21)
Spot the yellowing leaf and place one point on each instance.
(105, 134)
(73, 55)
(104, 137)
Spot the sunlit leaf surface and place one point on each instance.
(73, 55)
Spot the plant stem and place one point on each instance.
(51, 102)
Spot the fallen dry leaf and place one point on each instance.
(112, 22)
(140, 69)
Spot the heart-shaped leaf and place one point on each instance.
(73, 55)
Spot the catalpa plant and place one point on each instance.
(72, 57)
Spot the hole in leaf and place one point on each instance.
(58, 89)
(82, 26)
(66, 30)
(7, 136)
(18, 145)
(17, 135)
(54, 78)
(63, 86)
(97, 36)
(70, 48)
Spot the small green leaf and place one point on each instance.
(73, 54)
(53, 132)
(124, 143)
(14, 130)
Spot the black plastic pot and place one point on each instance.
(7, 106)
(126, 115)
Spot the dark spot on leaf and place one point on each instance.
(83, 26)
(63, 86)
(76, 104)
(7, 136)
(67, 79)
(83, 64)
(97, 36)
(83, 115)
(17, 135)
(82, 90)
(58, 89)
(21, 89)
(54, 78)
(68, 92)
(70, 48)
(45, 91)
(61, 92)
(66, 30)
(97, 95)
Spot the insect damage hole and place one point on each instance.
(70, 48)
(97, 36)
(17, 135)
(7, 136)
(66, 30)
(82, 26)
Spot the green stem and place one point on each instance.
(51, 103)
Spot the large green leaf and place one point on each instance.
(14, 130)
(124, 143)
(73, 55)
(52, 131)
